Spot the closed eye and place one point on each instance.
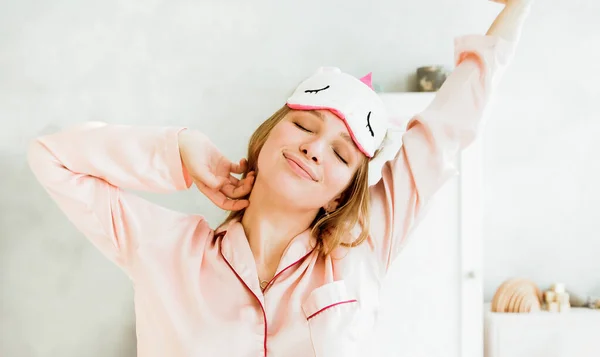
(302, 128)
(340, 157)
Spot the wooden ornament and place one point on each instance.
(517, 295)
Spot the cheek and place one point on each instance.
(272, 147)
(338, 177)
(265, 155)
(280, 136)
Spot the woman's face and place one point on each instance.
(309, 158)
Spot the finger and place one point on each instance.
(240, 190)
(219, 199)
(245, 186)
(236, 191)
(212, 181)
(240, 167)
(249, 183)
(215, 196)
(235, 205)
(235, 181)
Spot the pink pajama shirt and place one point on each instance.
(196, 298)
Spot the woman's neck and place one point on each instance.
(271, 224)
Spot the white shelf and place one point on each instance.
(542, 334)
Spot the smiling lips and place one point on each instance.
(300, 168)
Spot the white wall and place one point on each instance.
(229, 64)
(542, 147)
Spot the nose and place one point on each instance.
(313, 150)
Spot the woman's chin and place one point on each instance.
(290, 186)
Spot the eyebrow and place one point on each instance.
(317, 114)
(322, 117)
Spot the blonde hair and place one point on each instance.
(332, 228)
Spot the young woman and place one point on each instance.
(324, 205)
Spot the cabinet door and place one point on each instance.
(542, 334)
(422, 298)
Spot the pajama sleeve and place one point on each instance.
(86, 169)
(431, 142)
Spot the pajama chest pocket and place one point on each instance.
(333, 316)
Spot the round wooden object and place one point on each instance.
(517, 295)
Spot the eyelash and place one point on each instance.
(303, 128)
(341, 158)
(335, 152)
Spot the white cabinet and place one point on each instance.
(543, 334)
(432, 301)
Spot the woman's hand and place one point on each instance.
(212, 172)
(509, 23)
(513, 2)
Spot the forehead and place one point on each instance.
(322, 114)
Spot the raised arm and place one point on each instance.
(86, 168)
(435, 136)
(509, 23)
